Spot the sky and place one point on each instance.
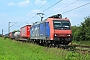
(23, 12)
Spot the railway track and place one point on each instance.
(79, 48)
(76, 48)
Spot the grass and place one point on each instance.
(15, 50)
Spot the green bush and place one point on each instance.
(82, 32)
(0, 35)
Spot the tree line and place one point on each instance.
(82, 32)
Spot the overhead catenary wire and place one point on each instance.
(52, 5)
(35, 14)
(38, 8)
(68, 5)
(63, 7)
(13, 24)
(43, 4)
(55, 4)
(31, 18)
(76, 8)
(45, 9)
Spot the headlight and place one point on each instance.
(55, 35)
(68, 35)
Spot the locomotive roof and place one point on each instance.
(53, 17)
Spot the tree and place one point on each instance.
(82, 32)
(16, 31)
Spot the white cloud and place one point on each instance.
(23, 3)
(11, 4)
(40, 2)
(20, 4)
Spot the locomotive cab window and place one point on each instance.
(61, 24)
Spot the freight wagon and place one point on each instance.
(11, 35)
(17, 35)
(25, 32)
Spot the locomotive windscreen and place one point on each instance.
(61, 24)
